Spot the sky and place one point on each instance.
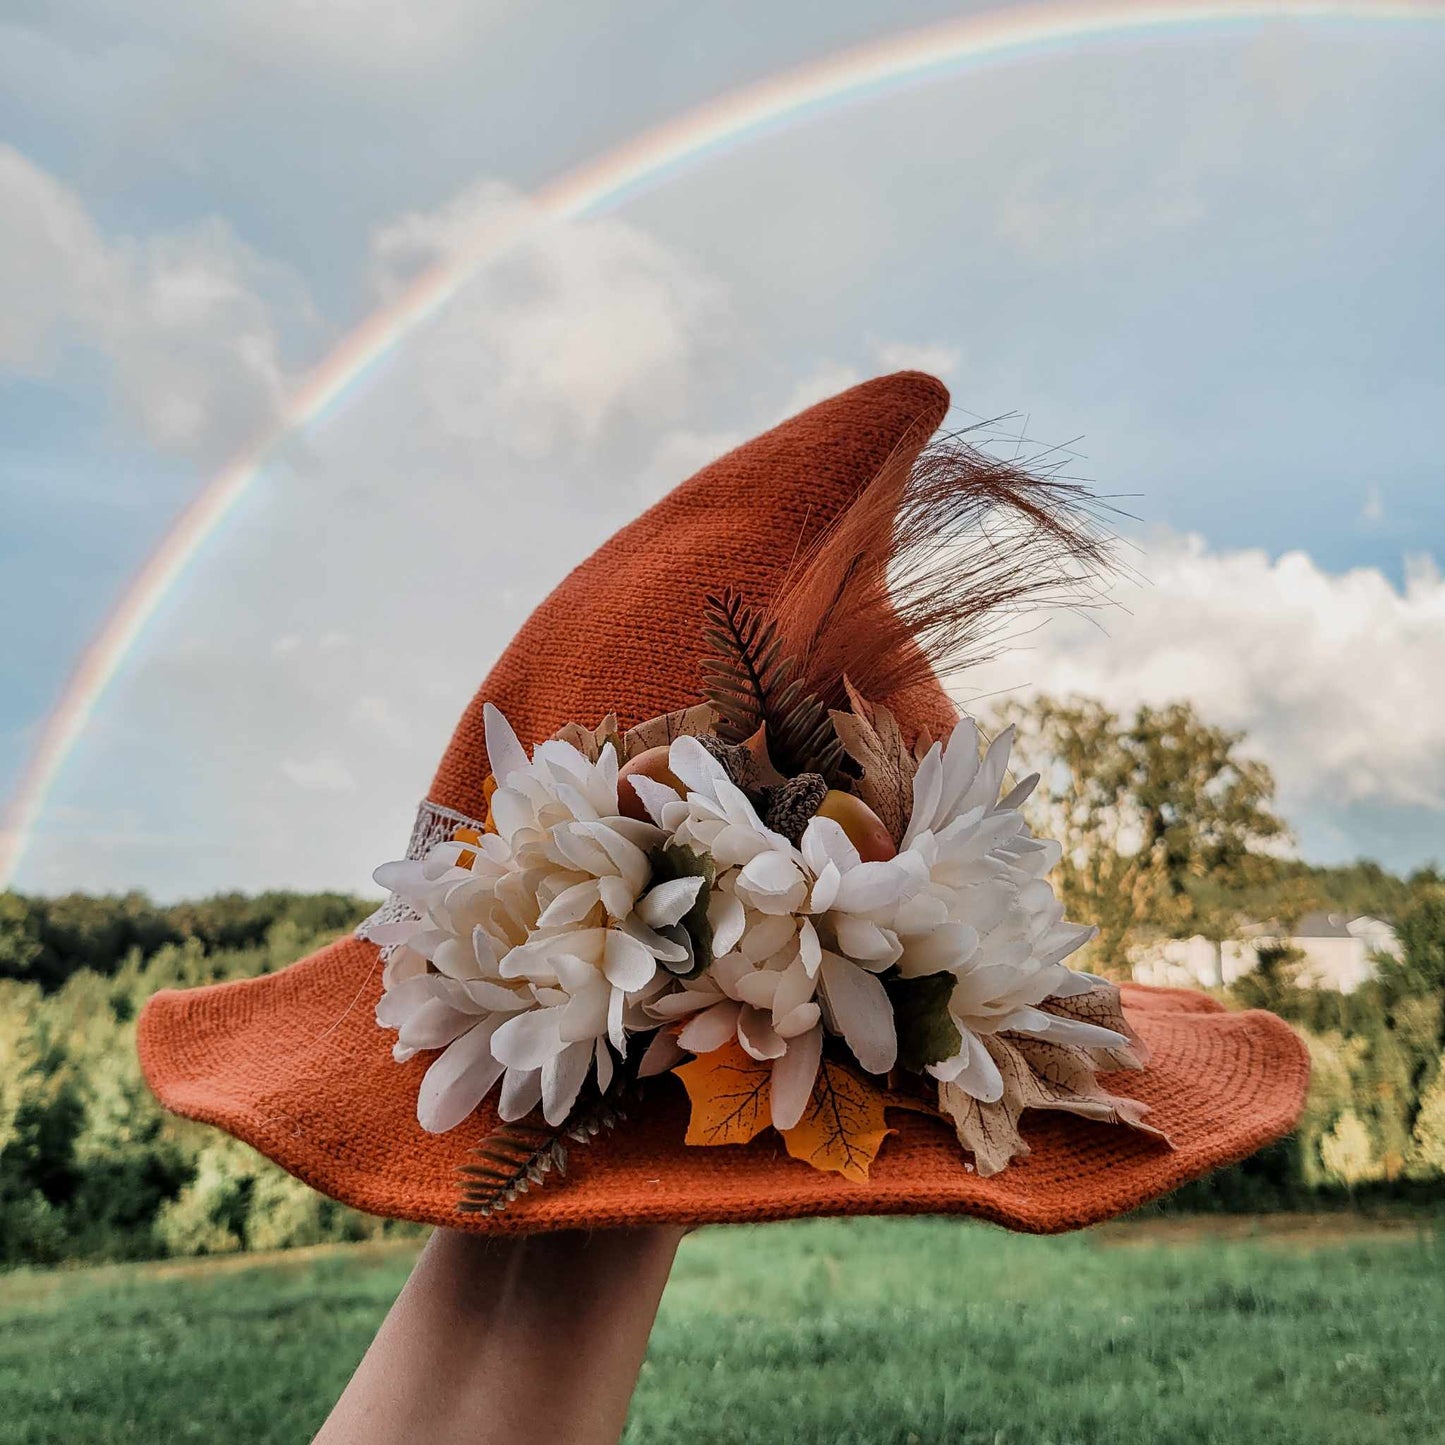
(1206, 260)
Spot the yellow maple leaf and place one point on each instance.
(842, 1128)
(731, 1096)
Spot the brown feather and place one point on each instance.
(920, 575)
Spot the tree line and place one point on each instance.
(1168, 829)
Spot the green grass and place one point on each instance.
(831, 1331)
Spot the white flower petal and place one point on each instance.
(859, 1009)
(654, 796)
(668, 903)
(810, 951)
(616, 1007)
(728, 918)
(825, 890)
(435, 1024)
(798, 1020)
(527, 1040)
(871, 886)
(521, 1093)
(403, 964)
(712, 1029)
(505, 753)
(758, 1036)
(927, 790)
(794, 1074)
(863, 940)
(571, 905)
(584, 1015)
(662, 1055)
(758, 988)
(960, 768)
(660, 945)
(605, 1066)
(627, 964)
(562, 1078)
(824, 842)
(458, 1081)
(974, 1072)
(692, 765)
(680, 1005)
(398, 1004)
(771, 872)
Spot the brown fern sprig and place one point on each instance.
(518, 1156)
(753, 685)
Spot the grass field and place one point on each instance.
(888, 1332)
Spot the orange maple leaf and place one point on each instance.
(842, 1128)
(731, 1096)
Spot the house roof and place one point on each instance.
(1322, 925)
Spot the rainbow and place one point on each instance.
(645, 161)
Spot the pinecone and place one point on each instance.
(788, 807)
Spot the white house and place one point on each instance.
(1337, 951)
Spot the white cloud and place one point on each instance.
(342, 623)
(55, 271)
(186, 320)
(361, 35)
(940, 361)
(582, 324)
(1334, 677)
(323, 774)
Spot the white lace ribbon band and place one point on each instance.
(434, 824)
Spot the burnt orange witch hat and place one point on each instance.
(716, 901)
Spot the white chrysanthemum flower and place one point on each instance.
(793, 950)
(537, 946)
(985, 912)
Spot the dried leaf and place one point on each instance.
(872, 738)
(1062, 1065)
(843, 1126)
(731, 1096)
(761, 773)
(1036, 1075)
(1102, 1005)
(988, 1131)
(921, 745)
(590, 741)
(927, 1033)
(658, 732)
(1089, 1101)
(583, 739)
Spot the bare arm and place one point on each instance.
(526, 1341)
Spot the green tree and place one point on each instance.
(1349, 1152)
(1159, 814)
(1420, 969)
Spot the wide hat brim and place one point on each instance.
(294, 1064)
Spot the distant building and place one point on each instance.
(1336, 950)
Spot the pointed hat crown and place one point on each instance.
(621, 632)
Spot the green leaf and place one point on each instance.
(927, 1033)
(673, 860)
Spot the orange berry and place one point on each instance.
(863, 827)
(652, 763)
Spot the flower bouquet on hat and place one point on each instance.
(771, 938)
